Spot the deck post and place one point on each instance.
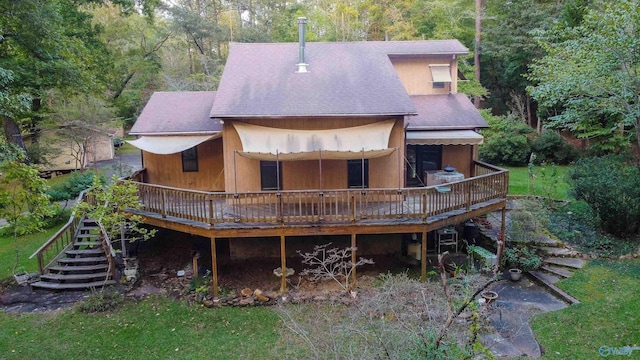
(423, 256)
(353, 261)
(283, 265)
(503, 236)
(214, 267)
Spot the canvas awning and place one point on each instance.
(440, 73)
(265, 143)
(453, 137)
(170, 144)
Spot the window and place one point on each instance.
(438, 85)
(270, 179)
(190, 160)
(354, 173)
(440, 74)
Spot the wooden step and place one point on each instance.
(95, 251)
(86, 243)
(74, 277)
(79, 268)
(71, 286)
(82, 260)
(89, 228)
(87, 236)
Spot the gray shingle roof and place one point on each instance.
(179, 112)
(355, 78)
(442, 112)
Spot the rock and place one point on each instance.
(208, 303)
(246, 301)
(257, 292)
(261, 298)
(320, 298)
(246, 292)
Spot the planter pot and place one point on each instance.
(489, 296)
(515, 274)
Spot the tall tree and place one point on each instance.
(589, 80)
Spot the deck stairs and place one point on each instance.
(81, 265)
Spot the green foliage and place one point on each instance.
(588, 81)
(521, 258)
(507, 141)
(577, 225)
(551, 147)
(101, 301)
(23, 200)
(109, 206)
(73, 185)
(611, 187)
(550, 181)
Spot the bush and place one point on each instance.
(73, 186)
(507, 141)
(521, 258)
(554, 148)
(611, 187)
(101, 301)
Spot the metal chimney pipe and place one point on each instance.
(302, 24)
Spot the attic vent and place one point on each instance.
(302, 23)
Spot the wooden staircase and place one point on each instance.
(82, 264)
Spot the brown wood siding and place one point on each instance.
(167, 169)
(416, 77)
(300, 175)
(458, 156)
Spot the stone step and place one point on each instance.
(558, 252)
(548, 277)
(558, 271)
(556, 291)
(56, 277)
(83, 252)
(78, 269)
(574, 263)
(71, 286)
(82, 260)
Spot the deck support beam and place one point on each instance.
(214, 267)
(423, 256)
(283, 265)
(354, 248)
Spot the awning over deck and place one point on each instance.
(265, 143)
(453, 137)
(164, 145)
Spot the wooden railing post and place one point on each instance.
(321, 206)
(163, 210)
(211, 213)
(280, 210)
(424, 205)
(353, 207)
(468, 195)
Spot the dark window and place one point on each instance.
(438, 85)
(354, 179)
(190, 160)
(269, 177)
(422, 159)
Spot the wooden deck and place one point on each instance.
(231, 214)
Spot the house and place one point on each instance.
(333, 140)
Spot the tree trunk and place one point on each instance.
(14, 136)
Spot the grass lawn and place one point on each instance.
(549, 180)
(608, 315)
(156, 328)
(26, 246)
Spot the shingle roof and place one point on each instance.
(355, 78)
(442, 112)
(180, 112)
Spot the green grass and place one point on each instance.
(547, 182)
(156, 328)
(127, 148)
(609, 312)
(26, 246)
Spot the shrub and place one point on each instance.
(521, 258)
(101, 301)
(611, 187)
(507, 141)
(552, 147)
(73, 186)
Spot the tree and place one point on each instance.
(589, 81)
(24, 202)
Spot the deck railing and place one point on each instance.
(329, 206)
